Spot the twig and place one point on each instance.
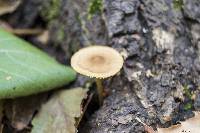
(147, 128)
(23, 32)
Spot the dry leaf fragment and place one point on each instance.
(59, 113)
(191, 125)
(4, 24)
(8, 6)
(19, 111)
(44, 37)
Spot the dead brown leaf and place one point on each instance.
(44, 37)
(8, 6)
(60, 113)
(191, 125)
(20, 111)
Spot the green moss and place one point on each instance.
(187, 92)
(178, 4)
(188, 106)
(95, 6)
(60, 34)
(51, 9)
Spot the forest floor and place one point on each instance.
(160, 43)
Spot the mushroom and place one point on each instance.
(97, 62)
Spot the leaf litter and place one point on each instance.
(191, 125)
(8, 6)
(61, 113)
(20, 111)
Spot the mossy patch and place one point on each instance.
(188, 106)
(51, 9)
(95, 6)
(178, 4)
(187, 92)
(60, 34)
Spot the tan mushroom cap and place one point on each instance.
(97, 61)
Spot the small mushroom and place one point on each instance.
(97, 62)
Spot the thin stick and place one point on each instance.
(25, 31)
(100, 90)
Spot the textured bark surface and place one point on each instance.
(160, 80)
(161, 48)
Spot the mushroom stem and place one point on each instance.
(100, 90)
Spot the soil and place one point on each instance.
(159, 40)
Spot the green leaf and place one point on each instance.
(26, 70)
(59, 113)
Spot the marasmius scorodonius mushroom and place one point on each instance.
(97, 62)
